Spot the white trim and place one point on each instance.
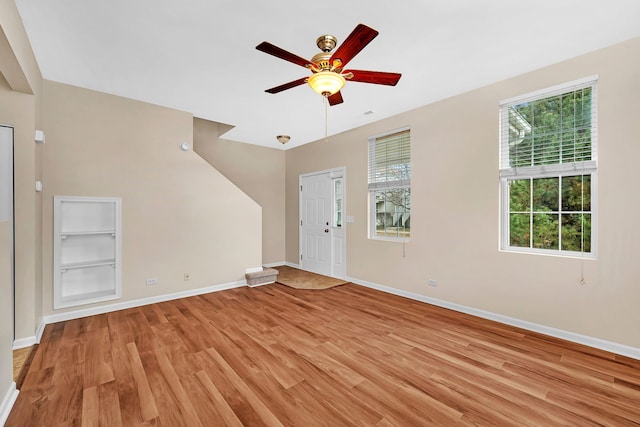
(76, 314)
(252, 270)
(331, 172)
(621, 349)
(551, 91)
(24, 342)
(275, 264)
(390, 132)
(29, 341)
(40, 331)
(7, 403)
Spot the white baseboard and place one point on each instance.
(24, 342)
(40, 331)
(76, 314)
(29, 341)
(621, 349)
(274, 264)
(7, 403)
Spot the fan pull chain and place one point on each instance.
(326, 119)
(582, 279)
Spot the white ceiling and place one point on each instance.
(199, 55)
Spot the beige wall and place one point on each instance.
(6, 322)
(455, 212)
(19, 108)
(179, 215)
(258, 171)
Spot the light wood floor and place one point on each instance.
(349, 355)
(20, 359)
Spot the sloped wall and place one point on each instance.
(179, 214)
(258, 171)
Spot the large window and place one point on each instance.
(548, 170)
(390, 185)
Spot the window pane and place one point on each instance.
(545, 195)
(545, 231)
(551, 130)
(393, 212)
(337, 202)
(573, 226)
(519, 234)
(520, 195)
(576, 193)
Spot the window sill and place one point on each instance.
(391, 239)
(552, 253)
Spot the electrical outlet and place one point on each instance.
(432, 282)
(151, 281)
(187, 276)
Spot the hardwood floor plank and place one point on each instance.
(108, 399)
(90, 407)
(346, 356)
(213, 399)
(265, 416)
(148, 407)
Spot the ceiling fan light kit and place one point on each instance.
(328, 77)
(326, 83)
(283, 139)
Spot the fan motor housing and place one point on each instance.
(327, 42)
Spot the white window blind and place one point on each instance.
(550, 132)
(390, 161)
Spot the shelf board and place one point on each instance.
(85, 264)
(85, 233)
(89, 296)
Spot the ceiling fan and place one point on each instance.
(328, 74)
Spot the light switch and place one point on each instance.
(39, 186)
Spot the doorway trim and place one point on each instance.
(10, 195)
(333, 173)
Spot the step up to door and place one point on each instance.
(264, 277)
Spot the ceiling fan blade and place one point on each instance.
(336, 98)
(375, 77)
(287, 85)
(274, 50)
(354, 43)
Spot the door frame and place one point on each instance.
(338, 172)
(12, 230)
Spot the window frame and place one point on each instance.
(372, 188)
(586, 168)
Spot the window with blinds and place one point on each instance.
(390, 185)
(548, 170)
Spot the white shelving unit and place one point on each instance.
(86, 250)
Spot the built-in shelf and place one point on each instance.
(86, 250)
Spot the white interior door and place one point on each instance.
(315, 223)
(322, 224)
